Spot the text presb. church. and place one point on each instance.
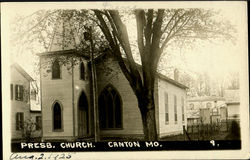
(67, 99)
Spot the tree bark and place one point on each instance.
(147, 109)
(142, 87)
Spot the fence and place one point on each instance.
(207, 131)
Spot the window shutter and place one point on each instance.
(17, 121)
(166, 108)
(16, 92)
(21, 92)
(25, 95)
(175, 108)
(37, 123)
(11, 91)
(21, 121)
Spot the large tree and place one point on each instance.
(156, 31)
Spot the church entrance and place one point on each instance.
(83, 116)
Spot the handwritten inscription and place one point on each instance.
(42, 156)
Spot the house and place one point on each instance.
(207, 109)
(233, 103)
(67, 99)
(21, 87)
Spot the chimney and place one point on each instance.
(176, 75)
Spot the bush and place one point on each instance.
(234, 133)
(28, 129)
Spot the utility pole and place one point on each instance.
(88, 36)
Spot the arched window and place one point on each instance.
(82, 71)
(57, 117)
(56, 70)
(110, 109)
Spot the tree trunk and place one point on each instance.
(147, 108)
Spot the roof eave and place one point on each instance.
(56, 52)
(22, 72)
(232, 102)
(35, 111)
(172, 81)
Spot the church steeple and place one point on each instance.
(64, 36)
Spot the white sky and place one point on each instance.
(216, 60)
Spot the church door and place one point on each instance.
(83, 118)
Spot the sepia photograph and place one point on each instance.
(148, 80)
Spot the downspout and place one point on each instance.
(88, 36)
(29, 101)
(73, 98)
(94, 88)
(41, 98)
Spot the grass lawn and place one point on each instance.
(216, 136)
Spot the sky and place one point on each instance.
(216, 60)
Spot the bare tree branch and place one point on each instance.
(114, 46)
(166, 27)
(171, 30)
(122, 36)
(157, 29)
(38, 23)
(141, 22)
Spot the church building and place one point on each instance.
(67, 99)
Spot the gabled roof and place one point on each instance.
(22, 71)
(165, 78)
(158, 75)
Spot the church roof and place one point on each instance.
(65, 52)
(206, 98)
(98, 57)
(22, 71)
(61, 45)
(169, 80)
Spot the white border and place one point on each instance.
(7, 10)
